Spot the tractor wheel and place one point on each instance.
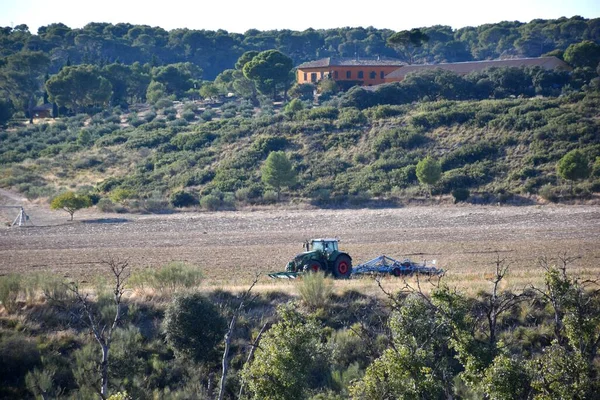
(342, 267)
(313, 266)
(396, 272)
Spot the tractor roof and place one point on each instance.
(326, 240)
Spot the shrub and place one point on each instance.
(120, 194)
(194, 327)
(460, 194)
(188, 116)
(315, 290)
(105, 205)
(549, 192)
(168, 279)
(10, 288)
(269, 197)
(18, 356)
(210, 202)
(163, 103)
(183, 199)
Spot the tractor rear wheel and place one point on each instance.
(313, 266)
(342, 267)
(396, 272)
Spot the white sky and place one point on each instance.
(241, 15)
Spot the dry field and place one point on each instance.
(231, 247)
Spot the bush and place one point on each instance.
(269, 197)
(168, 279)
(18, 356)
(183, 199)
(10, 288)
(210, 202)
(315, 290)
(188, 116)
(460, 194)
(549, 192)
(105, 205)
(194, 328)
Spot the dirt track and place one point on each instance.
(232, 246)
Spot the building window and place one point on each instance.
(381, 75)
(321, 74)
(313, 77)
(335, 74)
(305, 76)
(348, 74)
(373, 75)
(360, 75)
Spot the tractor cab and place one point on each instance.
(325, 245)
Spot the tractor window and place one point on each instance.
(317, 245)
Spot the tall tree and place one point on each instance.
(22, 79)
(584, 54)
(270, 70)
(406, 43)
(429, 172)
(70, 202)
(278, 172)
(573, 166)
(78, 87)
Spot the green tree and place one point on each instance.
(6, 111)
(194, 327)
(270, 71)
(406, 43)
(429, 172)
(78, 87)
(277, 172)
(178, 78)
(155, 92)
(573, 166)
(209, 91)
(22, 79)
(70, 202)
(245, 59)
(420, 364)
(506, 379)
(290, 361)
(303, 91)
(584, 54)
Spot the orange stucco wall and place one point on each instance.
(304, 75)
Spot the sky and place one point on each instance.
(240, 15)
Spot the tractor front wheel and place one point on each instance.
(313, 266)
(342, 267)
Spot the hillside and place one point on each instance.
(498, 149)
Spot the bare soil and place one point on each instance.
(231, 247)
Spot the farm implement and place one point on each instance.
(324, 255)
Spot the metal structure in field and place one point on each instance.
(387, 265)
(22, 218)
(324, 255)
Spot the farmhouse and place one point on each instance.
(347, 71)
(369, 72)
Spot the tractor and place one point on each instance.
(322, 255)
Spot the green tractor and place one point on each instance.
(320, 255)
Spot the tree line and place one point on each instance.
(125, 52)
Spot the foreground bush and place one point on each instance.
(194, 327)
(168, 279)
(315, 290)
